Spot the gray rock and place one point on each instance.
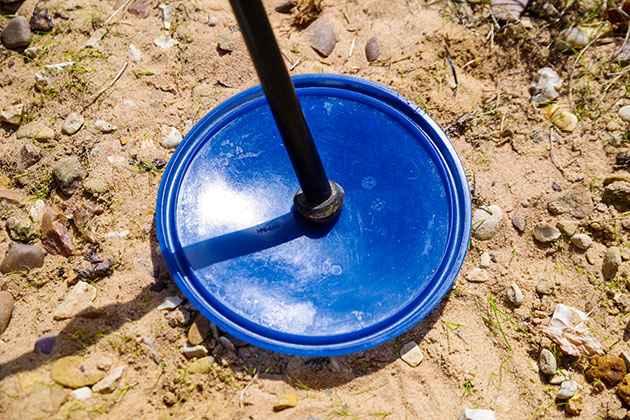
(17, 33)
(77, 302)
(72, 124)
(104, 127)
(582, 240)
(624, 113)
(514, 294)
(226, 343)
(612, 261)
(477, 275)
(12, 115)
(484, 261)
(321, 35)
(544, 287)
(36, 131)
(486, 222)
(6, 309)
(20, 228)
(519, 222)
(372, 49)
(170, 303)
(110, 382)
(577, 201)
(567, 390)
(45, 343)
(95, 186)
(547, 362)
(21, 257)
(171, 137)
(29, 155)
(411, 354)
(544, 232)
(568, 227)
(617, 194)
(68, 174)
(228, 40)
(476, 414)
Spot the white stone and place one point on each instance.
(110, 382)
(484, 261)
(411, 354)
(547, 362)
(194, 351)
(567, 390)
(73, 123)
(582, 240)
(82, 394)
(96, 37)
(134, 53)
(514, 294)
(166, 13)
(486, 222)
(477, 275)
(37, 211)
(169, 303)
(544, 232)
(171, 137)
(546, 85)
(105, 127)
(624, 113)
(12, 115)
(476, 414)
(165, 42)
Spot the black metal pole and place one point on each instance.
(283, 101)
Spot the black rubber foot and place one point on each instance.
(324, 212)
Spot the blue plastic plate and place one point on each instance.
(243, 257)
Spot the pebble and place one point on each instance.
(321, 35)
(582, 240)
(547, 362)
(617, 194)
(544, 287)
(519, 222)
(226, 343)
(567, 390)
(575, 405)
(170, 303)
(22, 257)
(484, 261)
(55, 236)
(20, 228)
(572, 37)
(75, 372)
(45, 343)
(564, 120)
(372, 49)
(37, 211)
(411, 354)
(609, 369)
(104, 127)
(41, 21)
(476, 414)
(514, 294)
(194, 351)
(134, 53)
(486, 222)
(544, 232)
(150, 343)
(82, 394)
(72, 124)
(612, 261)
(68, 174)
(6, 309)
(165, 42)
(198, 330)
(624, 389)
(12, 115)
(200, 366)
(171, 137)
(568, 227)
(558, 378)
(576, 201)
(110, 382)
(592, 256)
(78, 302)
(477, 275)
(288, 401)
(17, 33)
(29, 155)
(96, 37)
(95, 186)
(212, 21)
(546, 85)
(624, 113)
(166, 14)
(35, 131)
(140, 8)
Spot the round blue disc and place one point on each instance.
(248, 261)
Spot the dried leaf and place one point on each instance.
(568, 328)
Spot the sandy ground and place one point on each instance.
(502, 139)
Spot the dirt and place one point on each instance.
(475, 357)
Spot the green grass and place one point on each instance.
(498, 323)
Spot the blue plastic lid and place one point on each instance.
(248, 262)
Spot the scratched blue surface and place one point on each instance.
(249, 263)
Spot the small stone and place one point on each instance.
(567, 390)
(286, 7)
(484, 261)
(200, 366)
(20, 228)
(575, 405)
(75, 372)
(55, 236)
(486, 222)
(171, 137)
(582, 240)
(519, 222)
(110, 382)
(140, 8)
(96, 37)
(82, 394)
(134, 53)
(558, 378)
(617, 194)
(624, 113)
(544, 287)
(321, 35)
(21, 257)
(37, 211)
(6, 309)
(544, 232)
(17, 33)
(227, 344)
(288, 401)
(564, 120)
(547, 362)
(609, 369)
(476, 414)
(150, 343)
(411, 354)
(29, 156)
(612, 261)
(198, 330)
(170, 303)
(45, 343)
(33, 52)
(166, 13)
(545, 87)
(10, 197)
(624, 389)
(104, 127)
(72, 123)
(372, 49)
(575, 201)
(68, 174)
(165, 42)
(568, 227)
(35, 131)
(592, 255)
(514, 294)
(12, 115)
(194, 351)
(41, 21)
(477, 275)
(95, 186)
(78, 302)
